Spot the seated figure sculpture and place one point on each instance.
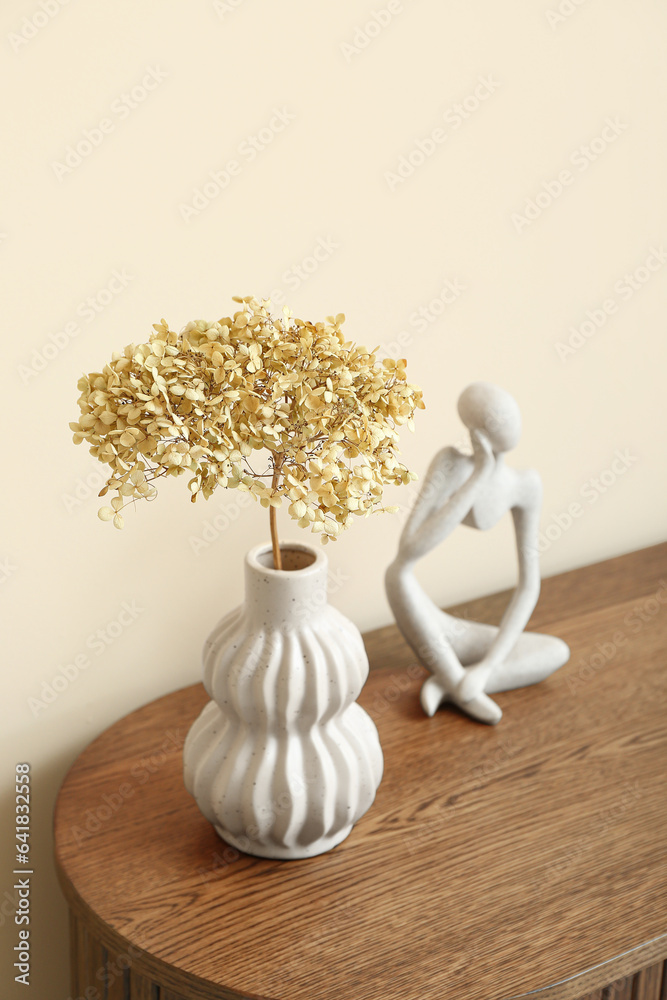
(470, 660)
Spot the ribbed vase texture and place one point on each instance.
(283, 761)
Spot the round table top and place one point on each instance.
(494, 862)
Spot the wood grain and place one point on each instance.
(620, 990)
(648, 984)
(93, 959)
(74, 953)
(141, 988)
(116, 981)
(496, 862)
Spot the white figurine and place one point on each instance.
(469, 659)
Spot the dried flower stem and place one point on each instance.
(273, 523)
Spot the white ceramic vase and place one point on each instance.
(283, 761)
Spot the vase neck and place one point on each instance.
(287, 597)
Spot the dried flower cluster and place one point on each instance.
(201, 403)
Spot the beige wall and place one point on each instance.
(535, 89)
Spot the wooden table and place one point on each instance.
(525, 859)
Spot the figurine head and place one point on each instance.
(488, 408)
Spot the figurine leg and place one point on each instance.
(434, 694)
(439, 654)
(534, 658)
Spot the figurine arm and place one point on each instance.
(524, 599)
(526, 516)
(441, 511)
(438, 485)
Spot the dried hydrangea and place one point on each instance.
(202, 403)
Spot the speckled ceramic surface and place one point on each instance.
(283, 761)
